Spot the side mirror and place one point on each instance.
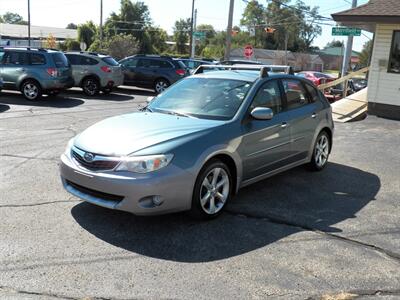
(262, 113)
(149, 99)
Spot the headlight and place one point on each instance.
(144, 164)
(69, 146)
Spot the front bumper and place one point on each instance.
(139, 194)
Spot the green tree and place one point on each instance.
(365, 54)
(13, 18)
(158, 39)
(181, 35)
(1, 19)
(87, 33)
(122, 45)
(133, 19)
(72, 26)
(334, 43)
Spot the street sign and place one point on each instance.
(199, 34)
(248, 51)
(346, 31)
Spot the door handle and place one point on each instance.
(314, 115)
(284, 125)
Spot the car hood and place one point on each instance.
(125, 134)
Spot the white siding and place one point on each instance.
(383, 87)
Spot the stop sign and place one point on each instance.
(248, 51)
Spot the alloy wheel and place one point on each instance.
(214, 191)
(161, 86)
(321, 151)
(90, 87)
(31, 91)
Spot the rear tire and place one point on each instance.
(212, 190)
(321, 151)
(31, 90)
(107, 91)
(90, 86)
(160, 85)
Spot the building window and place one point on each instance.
(394, 59)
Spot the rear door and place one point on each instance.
(266, 143)
(15, 64)
(77, 68)
(129, 69)
(303, 113)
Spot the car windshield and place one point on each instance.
(208, 98)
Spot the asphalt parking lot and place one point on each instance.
(298, 235)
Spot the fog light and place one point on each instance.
(151, 201)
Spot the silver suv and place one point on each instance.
(95, 72)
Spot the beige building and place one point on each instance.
(383, 18)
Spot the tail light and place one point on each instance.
(52, 72)
(106, 69)
(180, 72)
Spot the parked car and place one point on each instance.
(35, 71)
(95, 72)
(152, 71)
(240, 62)
(358, 84)
(204, 138)
(316, 77)
(193, 64)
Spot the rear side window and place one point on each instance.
(296, 96)
(314, 97)
(110, 61)
(37, 59)
(88, 61)
(132, 62)
(15, 58)
(268, 95)
(60, 60)
(74, 59)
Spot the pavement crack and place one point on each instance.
(354, 294)
(28, 157)
(37, 204)
(273, 219)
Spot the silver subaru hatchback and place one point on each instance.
(198, 142)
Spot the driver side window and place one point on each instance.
(268, 95)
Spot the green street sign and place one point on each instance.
(346, 31)
(199, 34)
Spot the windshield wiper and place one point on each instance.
(174, 113)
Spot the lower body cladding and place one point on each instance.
(112, 81)
(57, 84)
(164, 191)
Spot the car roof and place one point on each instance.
(243, 75)
(30, 49)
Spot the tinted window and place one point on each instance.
(110, 61)
(154, 63)
(394, 59)
(269, 96)
(132, 62)
(1, 56)
(88, 61)
(73, 59)
(15, 58)
(208, 98)
(60, 60)
(37, 59)
(313, 93)
(144, 63)
(296, 96)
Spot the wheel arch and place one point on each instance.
(330, 136)
(23, 80)
(89, 76)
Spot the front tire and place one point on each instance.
(321, 151)
(213, 189)
(90, 86)
(31, 90)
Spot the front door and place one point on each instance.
(13, 66)
(266, 143)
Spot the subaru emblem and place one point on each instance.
(88, 157)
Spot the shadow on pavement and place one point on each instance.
(114, 96)
(4, 108)
(58, 101)
(311, 200)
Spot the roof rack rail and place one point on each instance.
(153, 55)
(264, 69)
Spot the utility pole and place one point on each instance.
(101, 23)
(349, 48)
(191, 40)
(29, 23)
(286, 45)
(229, 31)
(193, 43)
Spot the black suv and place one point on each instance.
(152, 71)
(35, 71)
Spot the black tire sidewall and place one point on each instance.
(39, 94)
(313, 164)
(95, 81)
(196, 210)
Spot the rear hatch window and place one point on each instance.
(110, 61)
(60, 60)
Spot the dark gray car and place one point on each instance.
(200, 141)
(35, 71)
(152, 71)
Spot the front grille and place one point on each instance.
(95, 165)
(94, 193)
